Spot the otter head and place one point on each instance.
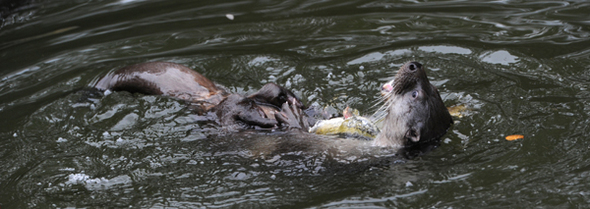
(415, 110)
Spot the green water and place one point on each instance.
(521, 67)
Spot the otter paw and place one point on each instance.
(292, 117)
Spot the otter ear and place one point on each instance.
(413, 135)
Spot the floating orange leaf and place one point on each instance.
(514, 137)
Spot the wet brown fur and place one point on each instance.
(164, 78)
(175, 80)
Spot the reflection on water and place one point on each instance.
(499, 57)
(518, 67)
(446, 49)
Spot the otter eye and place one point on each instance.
(415, 94)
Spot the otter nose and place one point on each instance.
(414, 65)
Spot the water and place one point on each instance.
(521, 67)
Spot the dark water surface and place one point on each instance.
(521, 67)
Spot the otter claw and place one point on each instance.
(291, 116)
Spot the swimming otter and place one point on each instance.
(175, 80)
(415, 112)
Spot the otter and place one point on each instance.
(178, 81)
(415, 112)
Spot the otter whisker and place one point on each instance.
(381, 104)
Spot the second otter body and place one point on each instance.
(175, 80)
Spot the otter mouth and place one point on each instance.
(387, 88)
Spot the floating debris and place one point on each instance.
(514, 137)
(457, 110)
